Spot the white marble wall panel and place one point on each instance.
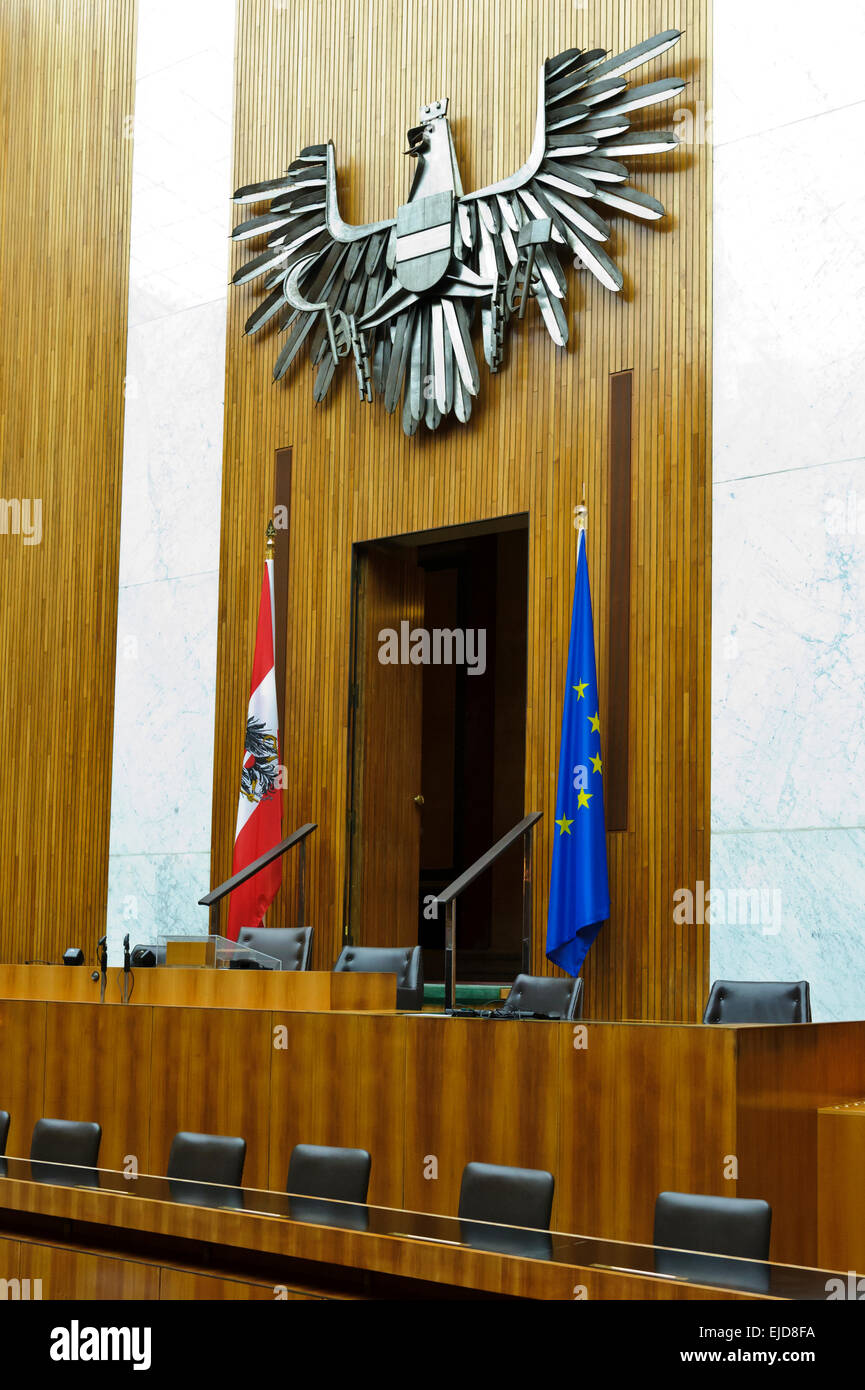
(815, 926)
(159, 861)
(788, 700)
(788, 668)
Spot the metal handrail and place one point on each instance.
(447, 898)
(212, 899)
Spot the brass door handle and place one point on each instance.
(418, 801)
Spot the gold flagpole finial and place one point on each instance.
(581, 513)
(271, 537)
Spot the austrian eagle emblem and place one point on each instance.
(402, 298)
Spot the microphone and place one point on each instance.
(102, 955)
(126, 968)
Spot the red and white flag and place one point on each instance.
(259, 809)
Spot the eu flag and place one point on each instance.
(579, 886)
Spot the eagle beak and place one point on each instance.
(416, 140)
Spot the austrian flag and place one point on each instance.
(259, 810)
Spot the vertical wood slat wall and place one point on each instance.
(357, 71)
(66, 100)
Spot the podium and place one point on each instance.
(211, 953)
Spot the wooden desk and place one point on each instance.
(203, 988)
(93, 1243)
(616, 1111)
(841, 1186)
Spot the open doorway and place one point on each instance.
(437, 741)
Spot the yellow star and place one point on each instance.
(596, 762)
(565, 825)
(580, 689)
(595, 723)
(584, 798)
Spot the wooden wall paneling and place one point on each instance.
(243, 989)
(106, 1076)
(449, 1121)
(211, 1073)
(785, 1074)
(22, 1070)
(80, 1275)
(66, 105)
(9, 1258)
(639, 1115)
(358, 72)
(177, 1284)
(617, 779)
(58, 982)
(281, 546)
(365, 992)
(380, 1102)
(341, 1080)
(840, 1191)
(312, 1092)
(178, 986)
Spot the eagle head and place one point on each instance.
(418, 135)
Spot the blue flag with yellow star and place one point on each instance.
(579, 886)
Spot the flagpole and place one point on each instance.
(579, 901)
(269, 546)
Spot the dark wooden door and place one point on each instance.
(384, 818)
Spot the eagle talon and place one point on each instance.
(500, 313)
(360, 350)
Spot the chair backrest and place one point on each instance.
(739, 1226)
(292, 946)
(318, 1170)
(214, 1158)
(546, 994)
(66, 1141)
(405, 962)
(4, 1130)
(758, 1001)
(510, 1196)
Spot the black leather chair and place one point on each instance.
(733, 1233)
(66, 1141)
(758, 1001)
(292, 946)
(545, 994)
(317, 1170)
(328, 1186)
(403, 961)
(65, 1152)
(210, 1158)
(4, 1130)
(738, 1226)
(509, 1196)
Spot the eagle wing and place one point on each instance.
(320, 273)
(573, 180)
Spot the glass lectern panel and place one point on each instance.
(212, 953)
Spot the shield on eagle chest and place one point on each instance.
(424, 240)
